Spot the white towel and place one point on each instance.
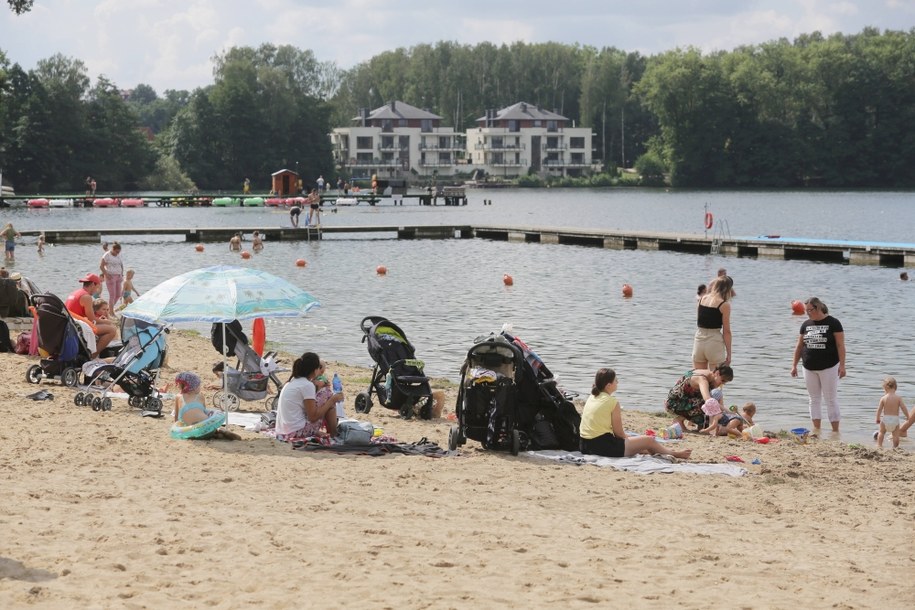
(88, 335)
(644, 464)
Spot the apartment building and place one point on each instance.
(398, 140)
(523, 137)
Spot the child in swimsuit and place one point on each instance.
(128, 289)
(888, 412)
(189, 408)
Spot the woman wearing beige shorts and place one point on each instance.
(712, 343)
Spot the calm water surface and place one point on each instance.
(566, 301)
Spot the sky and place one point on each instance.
(169, 44)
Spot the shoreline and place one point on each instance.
(104, 509)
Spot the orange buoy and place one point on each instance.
(627, 290)
(301, 262)
(381, 270)
(508, 280)
(709, 220)
(258, 335)
(199, 247)
(245, 254)
(797, 308)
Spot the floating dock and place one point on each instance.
(887, 254)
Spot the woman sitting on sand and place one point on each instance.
(686, 399)
(299, 414)
(601, 428)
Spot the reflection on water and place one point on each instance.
(566, 303)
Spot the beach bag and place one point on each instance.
(69, 349)
(355, 432)
(23, 344)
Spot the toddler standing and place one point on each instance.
(888, 412)
(128, 290)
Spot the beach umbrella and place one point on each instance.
(221, 294)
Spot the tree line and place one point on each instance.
(836, 111)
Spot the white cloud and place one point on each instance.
(169, 43)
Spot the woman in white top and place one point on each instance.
(298, 415)
(113, 271)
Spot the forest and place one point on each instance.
(832, 111)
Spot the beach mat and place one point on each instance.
(643, 464)
(420, 447)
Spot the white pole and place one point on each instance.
(225, 373)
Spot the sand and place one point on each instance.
(104, 510)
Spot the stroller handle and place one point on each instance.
(372, 321)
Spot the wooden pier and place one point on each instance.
(771, 246)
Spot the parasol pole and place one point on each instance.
(225, 375)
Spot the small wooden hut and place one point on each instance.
(285, 182)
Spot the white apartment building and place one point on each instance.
(522, 137)
(397, 140)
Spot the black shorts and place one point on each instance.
(295, 211)
(314, 206)
(606, 445)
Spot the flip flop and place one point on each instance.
(733, 458)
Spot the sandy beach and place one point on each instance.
(105, 510)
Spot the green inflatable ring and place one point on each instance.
(201, 428)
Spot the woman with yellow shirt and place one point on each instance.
(601, 428)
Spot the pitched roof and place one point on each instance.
(523, 110)
(399, 110)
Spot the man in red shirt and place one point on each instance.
(79, 303)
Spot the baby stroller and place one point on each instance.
(252, 375)
(508, 399)
(60, 340)
(397, 377)
(135, 370)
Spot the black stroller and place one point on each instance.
(397, 377)
(252, 375)
(135, 370)
(60, 340)
(509, 400)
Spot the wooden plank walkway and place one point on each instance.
(773, 247)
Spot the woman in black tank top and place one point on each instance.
(712, 342)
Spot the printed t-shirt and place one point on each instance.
(820, 349)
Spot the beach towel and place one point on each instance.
(643, 464)
(375, 449)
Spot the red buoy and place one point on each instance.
(199, 247)
(797, 308)
(508, 280)
(245, 254)
(381, 270)
(627, 290)
(301, 262)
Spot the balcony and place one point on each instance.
(432, 147)
(391, 148)
(494, 147)
(554, 147)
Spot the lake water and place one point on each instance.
(566, 301)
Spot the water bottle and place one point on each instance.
(337, 385)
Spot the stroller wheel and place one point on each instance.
(363, 402)
(106, 404)
(227, 401)
(97, 403)
(133, 401)
(272, 402)
(516, 442)
(154, 404)
(33, 375)
(454, 436)
(70, 377)
(78, 399)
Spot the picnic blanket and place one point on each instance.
(643, 464)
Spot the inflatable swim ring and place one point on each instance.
(201, 428)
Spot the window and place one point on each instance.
(387, 142)
(425, 125)
(514, 125)
(496, 142)
(551, 126)
(387, 125)
(364, 142)
(576, 142)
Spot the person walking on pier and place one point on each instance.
(247, 187)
